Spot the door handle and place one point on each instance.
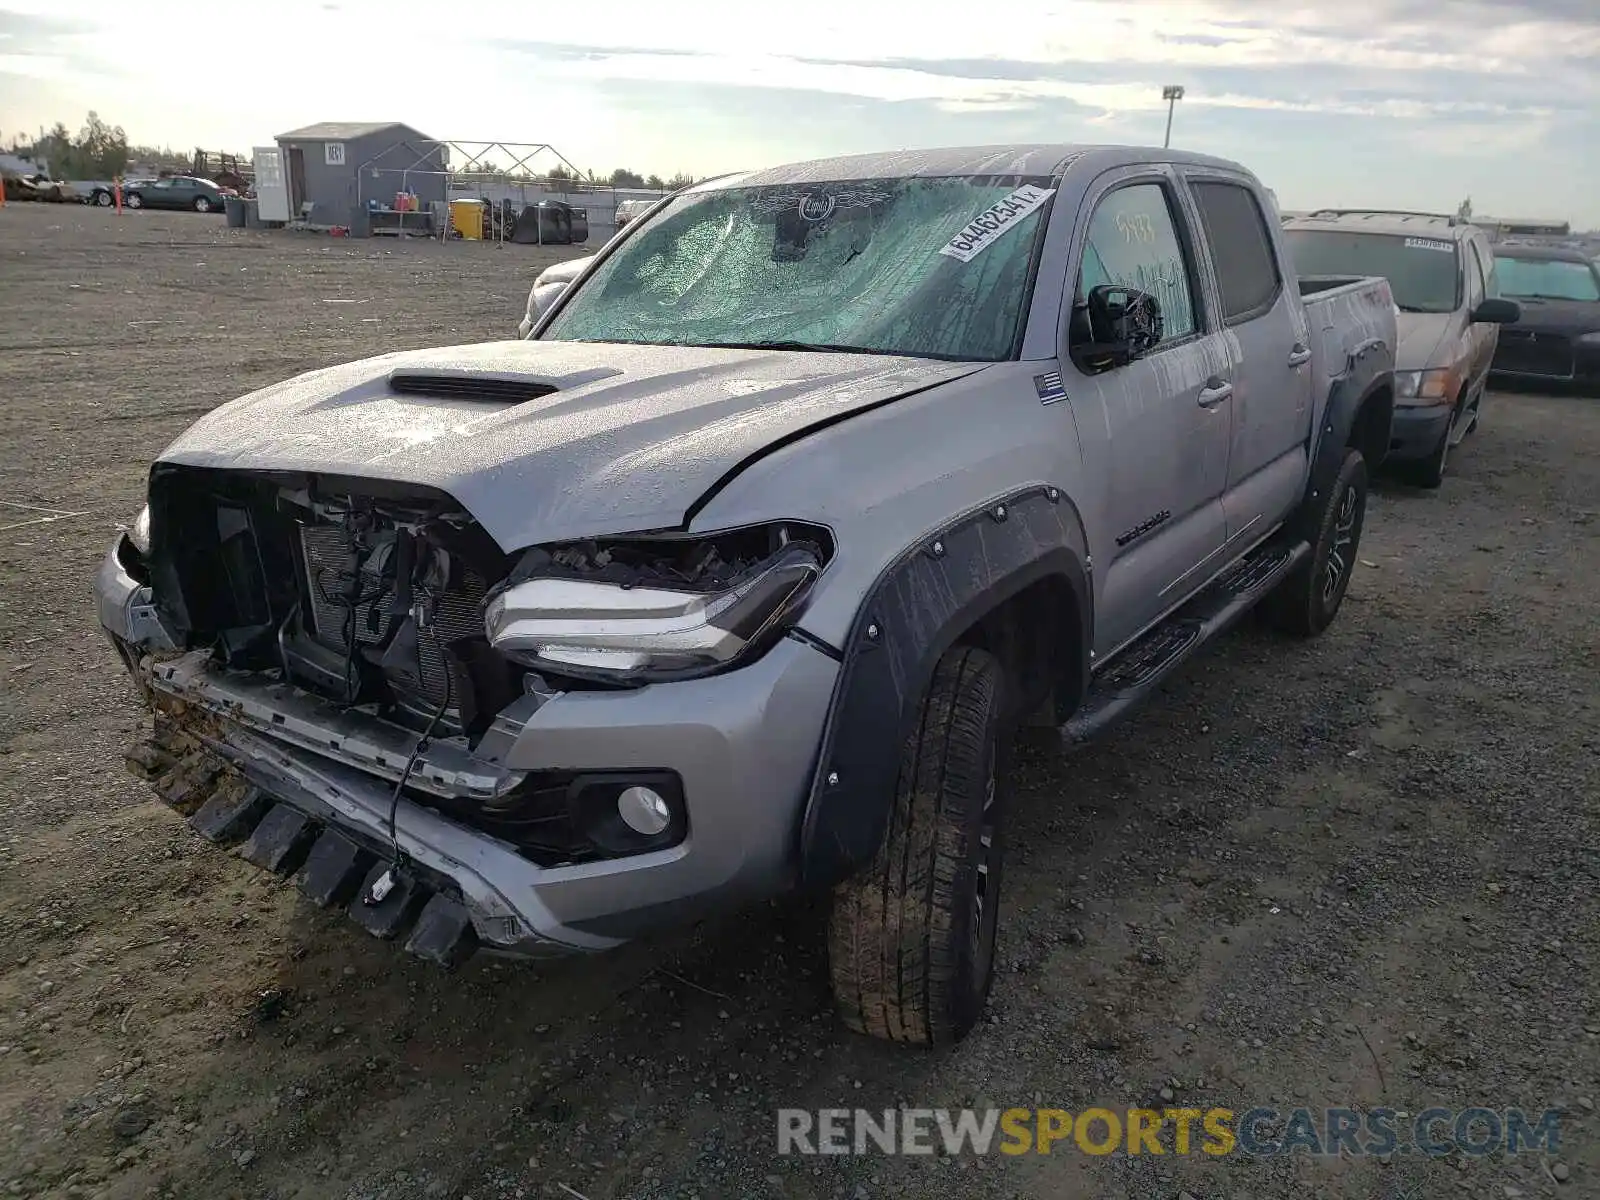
(1299, 356)
(1214, 392)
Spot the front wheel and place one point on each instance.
(102, 199)
(911, 940)
(134, 200)
(1308, 599)
(201, 204)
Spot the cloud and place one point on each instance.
(1398, 86)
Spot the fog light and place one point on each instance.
(644, 810)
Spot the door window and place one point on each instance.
(1133, 242)
(1241, 248)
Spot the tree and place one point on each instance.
(101, 149)
(98, 152)
(680, 180)
(656, 182)
(624, 178)
(1465, 210)
(560, 173)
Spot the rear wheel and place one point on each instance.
(134, 200)
(911, 940)
(201, 204)
(1306, 602)
(102, 199)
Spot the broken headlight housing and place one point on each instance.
(139, 531)
(604, 615)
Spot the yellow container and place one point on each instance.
(467, 217)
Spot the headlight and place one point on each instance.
(1426, 387)
(589, 627)
(139, 531)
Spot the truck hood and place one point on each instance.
(1420, 338)
(629, 439)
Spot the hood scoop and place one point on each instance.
(488, 389)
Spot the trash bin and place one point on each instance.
(234, 207)
(252, 215)
(467, 218)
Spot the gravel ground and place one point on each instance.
(1357, 872)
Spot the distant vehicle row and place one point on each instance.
(1466, 309)
(188, 192)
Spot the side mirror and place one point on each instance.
(1124, 324)
(1495, 311)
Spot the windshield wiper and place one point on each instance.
(818, 347)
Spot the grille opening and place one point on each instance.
(470, 387)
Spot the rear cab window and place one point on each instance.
(1248, 277)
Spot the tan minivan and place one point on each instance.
(1441, 272)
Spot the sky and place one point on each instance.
(1394, 103)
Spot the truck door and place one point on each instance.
(1269, 342)
(1155, 425)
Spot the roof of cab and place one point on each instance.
(1036, 159)
(1441, 226)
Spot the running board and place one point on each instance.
(1140, 669)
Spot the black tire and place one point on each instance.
(1429, 472)
(102, 198)
(911, 940)
(202, 205)
(1306, 602)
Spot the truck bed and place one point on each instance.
(1345, 316)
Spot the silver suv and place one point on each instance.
(1449, 312)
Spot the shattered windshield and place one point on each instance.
(934, 267)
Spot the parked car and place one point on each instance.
(1558, 338)
(1441, 272)
(627, 210)
(739, 573)
(102, 192)
(552, 281)
(177, 191)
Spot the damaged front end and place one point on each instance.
(343, 671)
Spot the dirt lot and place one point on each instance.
(1358, 872)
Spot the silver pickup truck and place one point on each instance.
(738, 574)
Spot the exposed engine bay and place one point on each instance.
(373, 595)
(366, 597)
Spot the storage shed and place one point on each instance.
(338, 166)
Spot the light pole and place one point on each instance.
(1171, 94)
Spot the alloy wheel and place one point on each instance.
(1342, 551)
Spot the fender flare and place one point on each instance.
(1364, 375)
(917, 608)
